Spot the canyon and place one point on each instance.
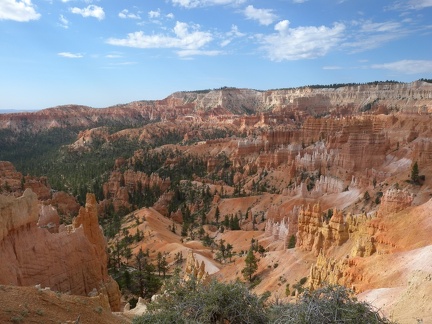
(320, 177)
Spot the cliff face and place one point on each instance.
(73, 260)
(297, 103)
(410, 96)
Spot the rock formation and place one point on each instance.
(316, 234)
(195, 270)
(13, 182)
(73, 260)
(122, 185)
(393, 201)
(277, 231)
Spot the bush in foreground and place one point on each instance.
(234, 303)
(330, 304)
(213, 303)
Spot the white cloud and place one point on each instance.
(264, 16)
(70, 55)
(301, 42)
(125, 14)
(407, 66)
(170, 15)
(154, 14)
(299, 1)
(89, 11)
(232, 34)
(16, 10)
(63, 22)
(187, 38)
(204, 3)
(282, 26)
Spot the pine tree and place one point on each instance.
(217, 214)
(162, 264)
(251, 265)
(366, 196)
(415, 173)
(146, 280)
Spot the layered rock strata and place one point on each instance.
(73, 260)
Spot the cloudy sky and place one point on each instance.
(100, 52)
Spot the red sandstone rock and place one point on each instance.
(73, 260)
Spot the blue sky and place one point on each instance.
(100, 53)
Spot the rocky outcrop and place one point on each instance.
(66, 204)
(195, 270)
(393, 201)
(121, 186)
(13, 182)
(316, 233)
(73, 260)
(377, 235)
(277, 231)
(361, 232)
(331, 271)
(281, 226)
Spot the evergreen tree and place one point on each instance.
(226, 221)
(366, 196)
(235, 226)
(292, 242)
(229, 251)
(251, 265)
(217, 214)
(144, 275)
(415, 173)
(162, 264)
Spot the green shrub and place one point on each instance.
(212, 303)
(331, 304)
(233, 303)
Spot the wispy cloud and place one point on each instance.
(302, 42)
(70, 55)
(332, 67)
(194, 52)
(16, 10)
(188, 39)
(406, 66)
(299, 1)
(113, 56)
(204, 3)
(410, 5)
(63, 22)
(125, 14)
(369, 35)
(231, 35)
(419, 4)
(90, 11)
(263, 16)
